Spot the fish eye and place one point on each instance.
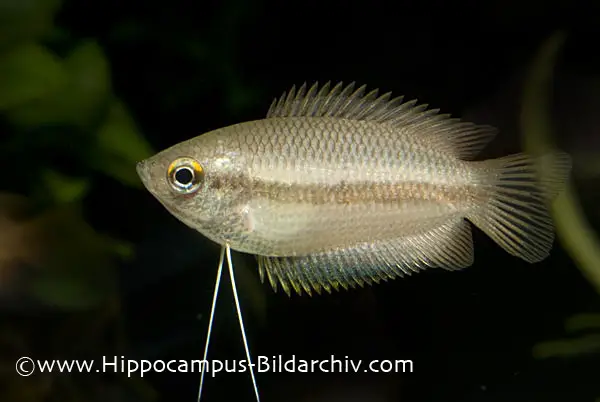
(185, 175)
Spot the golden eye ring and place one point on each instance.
(185, 175)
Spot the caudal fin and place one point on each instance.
(515, 211)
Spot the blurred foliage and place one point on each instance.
(64, 189)
(76, 95)
(24, 21)
(573, 229)
(65, 106)
(119, 145)
(585, 344)
(73, 336)
(41, 91)
(28, 72)
(58, 110)
(51, 261)
(40, 244)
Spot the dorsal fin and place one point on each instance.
(463, 139)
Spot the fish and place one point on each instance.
(339, 187)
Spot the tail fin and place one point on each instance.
(515, 213)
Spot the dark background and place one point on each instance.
(183, 68)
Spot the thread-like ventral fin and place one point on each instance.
(449, 246)
(463, 139)
(516, 211)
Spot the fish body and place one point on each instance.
(338, 188)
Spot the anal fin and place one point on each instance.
(449, 246)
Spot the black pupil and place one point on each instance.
(184, 176)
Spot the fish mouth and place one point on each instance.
(142, 172)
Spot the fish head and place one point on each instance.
(200, 182)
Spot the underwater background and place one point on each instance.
(92, 265)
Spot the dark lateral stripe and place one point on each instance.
(347, 193)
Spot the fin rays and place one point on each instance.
(463, 139)
(517, 213)
(449, 246)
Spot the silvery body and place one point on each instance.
(341, 187)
